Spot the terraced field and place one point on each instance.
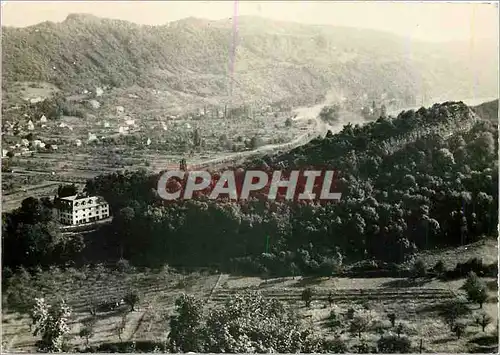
(293, 295)
(415, 306)
(157, 291)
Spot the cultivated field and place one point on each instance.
(127, 130)
(415, 306)
(142, 130)
(21, 91)
(157, 291)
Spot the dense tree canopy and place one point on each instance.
(246, 323)
(424, 179)
(31, 237)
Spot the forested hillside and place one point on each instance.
(424, 179)
(273, 60)
(488, 110)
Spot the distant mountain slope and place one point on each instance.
(488, 110)
(274, 60)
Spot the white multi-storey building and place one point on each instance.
(74, 210)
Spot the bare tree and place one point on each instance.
(483, 320)
(399, 329)
(459, 329)
(359, 324)
(330, 298)
(120, 328)
(86, 332)
(392, 318)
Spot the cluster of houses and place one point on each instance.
(128, 123)
(17, 128)
(98, 91)
(24, 146)
(27, 147)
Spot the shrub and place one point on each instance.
(122, 265)
(359, 324)
(393, 344)
(439, 268)
(196, 329)
(335, 346)
(453, 310)
(70, 110)
(131, 299)
(476, 289)
(361, 348)
(419, 269)
(475, 265)
(256, 142)
(350, 313)
(334, 320)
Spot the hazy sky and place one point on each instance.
(420, 20)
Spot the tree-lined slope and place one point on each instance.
(273, 60)
(488, 110)
(423, 179)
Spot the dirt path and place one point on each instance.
(217, 283)
(138, 321)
